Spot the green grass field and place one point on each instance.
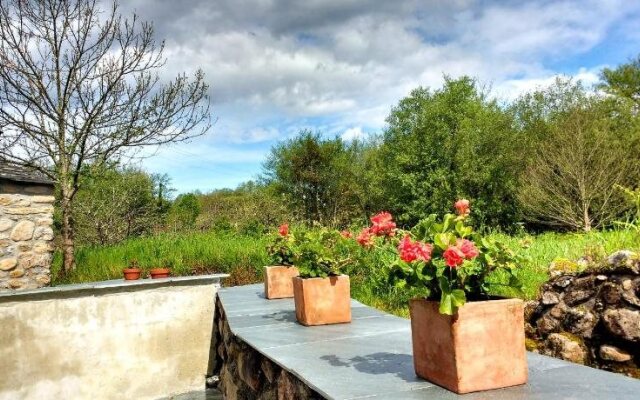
(244, 256)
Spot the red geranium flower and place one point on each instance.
(414, 251)
(365, 238)
(462, 207)
(453, 256)
(383, 224)
(468, 248)
(346, 234)
(283, 230)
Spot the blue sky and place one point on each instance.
(337, 66)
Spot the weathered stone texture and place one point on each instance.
(26, 235)
(244, 373)
(590, 317)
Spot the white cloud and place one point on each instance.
(353, 133)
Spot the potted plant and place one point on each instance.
(132, 272)
(157, 273)
(322, 295)
(463, 339)
(278, 277)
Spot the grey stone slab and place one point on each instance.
(372, 358)
(287, 315)
(291, 334)
(353, 367)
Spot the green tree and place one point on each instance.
(623, 81)
(184, 211)
(114, 204)
(580, 146)
(450, 143)
(315, 176)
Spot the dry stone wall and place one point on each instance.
(240, 372)
(26, 235)
(590, 317)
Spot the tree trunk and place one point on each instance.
(587, 219)
(68, 234)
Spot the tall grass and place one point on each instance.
(243, 257)
(185, 253)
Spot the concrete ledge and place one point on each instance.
(372, 356)
(107, 287)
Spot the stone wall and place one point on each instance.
(26, 235)
(241, 372)
(590, 317)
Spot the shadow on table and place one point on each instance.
(381, 363)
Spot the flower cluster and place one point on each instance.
(450, 262)
(284, 230)
(414, 251)
(463, 250)
(383, 224)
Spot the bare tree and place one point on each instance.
(571, 181)
(80, 85)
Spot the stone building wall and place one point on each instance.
(26, 235)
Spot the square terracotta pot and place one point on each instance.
(278, 282)
(479, 348)
(322, 301)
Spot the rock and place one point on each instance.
(249, 369)
(558, 311)
(580, 321)
(16, 283)
(23, 231)
(550, 298)
(8, 264)
(43, 199)
(623, 323)
(530, 309)
(547, 324)
(268, 369)
(563, 281)
(43, 233)
(610, 293)
(42, 247)
(566, 347)
(286, 387)
(5, 224)
(580, 290)
(16, 273)
(43, 280)
(612, 353)
(29, 210)
(623, 261)
(629, 293)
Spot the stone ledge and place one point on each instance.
(369, 358)
(107, 287)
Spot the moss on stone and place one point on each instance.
(563, 266)
(531, 344)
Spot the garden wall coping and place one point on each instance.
(106, 287)
(372, 356)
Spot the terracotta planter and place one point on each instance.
(131, 274)
(278, 281)
(479, 348)
(159, 273)
(322, 301)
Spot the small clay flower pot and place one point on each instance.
(278, 281)
(322, 301)
(131, 274)
(481, 347)
(159, 273)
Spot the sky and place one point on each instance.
(338, 66)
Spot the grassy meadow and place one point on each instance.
(243, 256)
